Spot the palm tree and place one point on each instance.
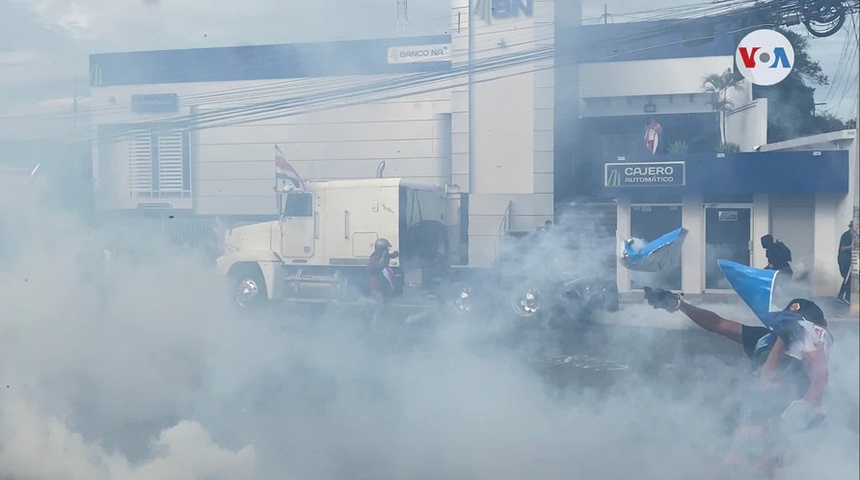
(718, 84)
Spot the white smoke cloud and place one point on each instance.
(36, 446)
(141, 372)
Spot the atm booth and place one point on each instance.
(727, 201)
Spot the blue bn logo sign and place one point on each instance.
(513, 8)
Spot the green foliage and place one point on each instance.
(677, 147)
(729, 147)
(718, 84)
(791, 103)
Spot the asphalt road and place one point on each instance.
(609, 360)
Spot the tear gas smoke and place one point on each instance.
(139, 372)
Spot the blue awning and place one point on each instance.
(732, 173)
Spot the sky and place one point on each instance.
(44, 44)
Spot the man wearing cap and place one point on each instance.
(380, 276)
(790, 363)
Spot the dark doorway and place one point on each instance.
(727, 235)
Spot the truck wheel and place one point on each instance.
(525, 301)
(248, 288)
(459, 298)
(347, 287)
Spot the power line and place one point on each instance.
(298, 87)
(292, 107)
(323, 100)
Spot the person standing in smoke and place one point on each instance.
(778, 256)
(779, 259)
(380, 275)
(846, 245)
(790, 373)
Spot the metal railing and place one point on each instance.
(507, 221)
(505, 226)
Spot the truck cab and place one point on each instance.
(317, 249)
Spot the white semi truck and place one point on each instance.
(317, 250)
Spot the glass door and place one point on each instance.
(728, 232)
(649, 222)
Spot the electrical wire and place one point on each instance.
(268, 111)
(324, 99)
(276, 88)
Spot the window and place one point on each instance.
(159, 162)
(299, 205)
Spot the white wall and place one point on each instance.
(832, 212)
(664, 104)
(673, 76)
(233, 166)
(792, 221)
(746, 125)
(503, 124)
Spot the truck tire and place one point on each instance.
(460, 298)
(525, 301)
(248, 287)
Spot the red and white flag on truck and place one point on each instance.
(284, 171)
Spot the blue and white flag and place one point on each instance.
(755, 286)
(664, 253)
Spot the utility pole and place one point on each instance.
(606, 15)
(855, 252)
(75, 109)
(402, 17)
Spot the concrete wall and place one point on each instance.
(671, 76)
(832, 212)
(629, 106)
(233, 165)
(746, 125)
(503, 122)
(792, 221)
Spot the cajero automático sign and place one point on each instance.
(645, 174)
(765, 57)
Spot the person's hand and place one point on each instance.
(663, 299)
(394, 254)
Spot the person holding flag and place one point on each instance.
(789, 355)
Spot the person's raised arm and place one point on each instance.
(706, 319)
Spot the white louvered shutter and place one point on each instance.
(140, 161)
(170, 161)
